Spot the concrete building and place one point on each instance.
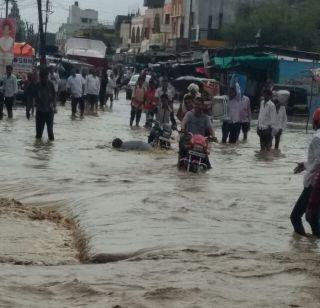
(166, 25)
(125, 35)
(122, 27)
(137, 32)
(78, 19)
(178, 40)
(204, 18)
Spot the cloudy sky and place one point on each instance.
(108, 9)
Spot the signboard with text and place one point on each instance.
(22, 64)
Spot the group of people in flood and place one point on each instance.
(40, 93)
(91, 91)
(156, 97)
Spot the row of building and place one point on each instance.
(176, 24)
(164, 24)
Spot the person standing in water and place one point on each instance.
(231, 125)
(280, 122)
(45, 99)
(151, 104)
(110, 89)
(266, 121)
(10, 89)
(29, 93)
(312, 167)
(75, 86)
(54, 78)
(245, 116)
(313, 211)
(92, 89)
(103, 88)
(138, 100)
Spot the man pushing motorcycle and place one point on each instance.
(196, 123)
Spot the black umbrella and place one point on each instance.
(182, 83)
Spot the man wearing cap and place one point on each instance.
(312, 167)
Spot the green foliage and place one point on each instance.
(288, 23)
(100, 32)
(21, 27)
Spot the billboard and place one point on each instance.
(23, 64)
(7, 38)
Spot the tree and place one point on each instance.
(31, 36)
(288, 23)
(21, 27)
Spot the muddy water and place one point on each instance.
(217, 239)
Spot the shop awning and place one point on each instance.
(254, 61)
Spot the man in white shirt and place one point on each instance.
(10, 89)
(280, 123)
(75, 86)
(231, 125)
(245, 116)
(266, 121)
(92, 89)
(312, 167)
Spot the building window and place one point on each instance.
(192, 19)
(138, 37)
(156, 24)
(90, 21)
(84, 20)
(167, 19)
(210, 22)
(133, 36)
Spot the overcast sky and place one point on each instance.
(108, 9)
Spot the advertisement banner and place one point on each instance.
(23, 64)
(7, 38)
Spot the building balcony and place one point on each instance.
(153, 3)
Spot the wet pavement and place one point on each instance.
(222, 238)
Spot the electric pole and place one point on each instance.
(47, 17)
(7, 8)
(41, 35)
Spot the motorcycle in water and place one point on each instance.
(160, 136)
(196, 158)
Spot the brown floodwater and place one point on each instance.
(217, 239)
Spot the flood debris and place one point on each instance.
(38, 236)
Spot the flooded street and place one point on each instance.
(219, 239)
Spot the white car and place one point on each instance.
(132, 83)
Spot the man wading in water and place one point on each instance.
(45, 98)
(266, 121)
(312, 168)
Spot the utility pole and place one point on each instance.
(7, 8)
(41, 35)
(191, 17)
(47, 18)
